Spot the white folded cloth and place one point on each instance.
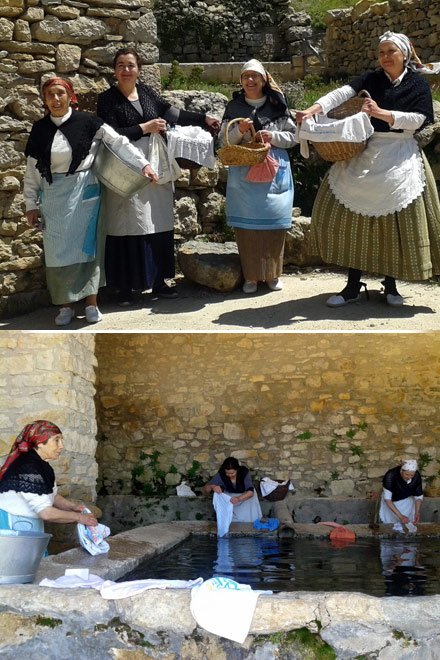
(356, 128)
(92, 538)
(115, 590)
(224, 607)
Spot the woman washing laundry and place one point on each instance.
(402, 496)
(234, 480)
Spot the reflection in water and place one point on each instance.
(403, 573)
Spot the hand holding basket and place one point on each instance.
(250, 153)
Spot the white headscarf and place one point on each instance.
(411, 60)
(254, 65)
(410, 465)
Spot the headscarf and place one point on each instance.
(30, 437)
(64, 83)
(410, 465)
(256, 65)
(412, 61)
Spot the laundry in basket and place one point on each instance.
(354, 130)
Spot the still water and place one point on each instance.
(379, 567)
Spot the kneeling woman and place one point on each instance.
(235, 480)
(28, 492)
(402, 495)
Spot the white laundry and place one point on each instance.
(224, 607)
(116, 590)
(224, 511)
(92, 538)
(192, 143)
(183, 490)
(411, 527)
(320, 128)
(398, 527)
(268, 485)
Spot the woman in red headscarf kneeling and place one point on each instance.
(60, 185)
(28, 492)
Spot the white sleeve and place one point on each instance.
(284, 138)
(418, 497)
(122, 146)
(387, 494)
(409, 121)
(335, 98)
(39, 502)
(31, 184)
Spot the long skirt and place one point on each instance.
(404, 244)
(139, 262)
(406, 508)
(261, 253)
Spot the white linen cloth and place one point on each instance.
(386, 177)
(92, 538)
(192, 143)
(224, 511)
(116, 590)
(267, 485)
(356, 128)
(183, 490)
(224, 607)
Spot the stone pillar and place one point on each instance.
(52, 376)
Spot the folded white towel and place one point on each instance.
(224, 607)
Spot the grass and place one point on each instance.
(317, 8)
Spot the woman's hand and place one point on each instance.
(32, 218)
(371, 108)
(404, 519)
(245, 125)
(310, 112)
(234, 500)
(154, 126)
(213, 123)
(150, 173)
(217, 489)
(416, 518)
(87, 519)
(265, 136)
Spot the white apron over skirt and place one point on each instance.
(406, 507)
(385, 178)
(70, 209)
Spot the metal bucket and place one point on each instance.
(20, 554)
(113, 173)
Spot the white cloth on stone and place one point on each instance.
(224, 607)
(192, 143)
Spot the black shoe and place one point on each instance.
(348, 294)
(392, 296)
(165, 291)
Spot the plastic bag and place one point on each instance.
(167, 169)
(184, 491)
(263, 172)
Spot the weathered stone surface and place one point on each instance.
(63, 11)
(22, 31)
(68, 58)
(185, 214)
(356, 639)
(144, 29)
(211, 264)
(9, 156)
(296, 250)
(211, 103)
(33, 14)
(80, 31)
(211, 209)
(37, 66)
(6, 29)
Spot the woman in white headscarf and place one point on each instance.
(260, 210)
(402, 495)
(380, 211)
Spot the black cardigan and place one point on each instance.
(115, 109)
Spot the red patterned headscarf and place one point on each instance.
(64, 83)
(31, 436)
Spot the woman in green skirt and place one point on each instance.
(380, 211)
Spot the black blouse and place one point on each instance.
(29, 473)
(115, 109)
(400, 489)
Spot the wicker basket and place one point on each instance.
(250, 153)
(336, 151)
(279, 493)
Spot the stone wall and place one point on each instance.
(330, 411)
(51, 376)
(351, 35)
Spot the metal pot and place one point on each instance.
(115, 174)
(20, 555)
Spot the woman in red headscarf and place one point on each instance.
(60, 184)
(28, 492)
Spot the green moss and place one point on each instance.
(133, 636)
(310, 645)
(48, 621)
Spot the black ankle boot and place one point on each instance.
(350, 293)
(392, 296)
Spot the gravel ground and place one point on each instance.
(299, 307)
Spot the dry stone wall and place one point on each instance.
(51, 376)
(351, 35)
(332, 412)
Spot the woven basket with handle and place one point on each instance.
(279, 493)
(250, 153)
(335, 151)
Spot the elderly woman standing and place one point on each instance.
(28, 492)
(260, 212)
(380, 211)
(140, 230)
(402, 495)
(60, 184)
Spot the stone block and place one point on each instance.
(143, 30)
(211, 264)
(68, 58)
(6, 29)
(185, 214)
(22, 31)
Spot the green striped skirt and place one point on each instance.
(404, 244)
